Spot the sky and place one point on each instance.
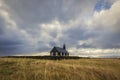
(89, 28)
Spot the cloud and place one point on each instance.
(91, 52)
(12, 39)
(108, 18)
(28, 26)
(106, 25)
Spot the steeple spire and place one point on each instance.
(64, 46)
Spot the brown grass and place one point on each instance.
(81, 69)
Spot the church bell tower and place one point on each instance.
(64, 47)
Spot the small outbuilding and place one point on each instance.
(57, 51)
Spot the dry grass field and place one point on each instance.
(70, 69)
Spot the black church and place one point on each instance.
(58, 51)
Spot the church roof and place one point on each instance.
(60, 50)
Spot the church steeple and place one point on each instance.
(64, 46)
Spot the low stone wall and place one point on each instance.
(46, 57)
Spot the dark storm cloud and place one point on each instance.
(1, 29)
(100, 37)
(38, 11)
(43, 11)
(109, 40)
(2, 24)
(52, 43)
(8, 42)
(9, 45)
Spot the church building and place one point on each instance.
(58, 51)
